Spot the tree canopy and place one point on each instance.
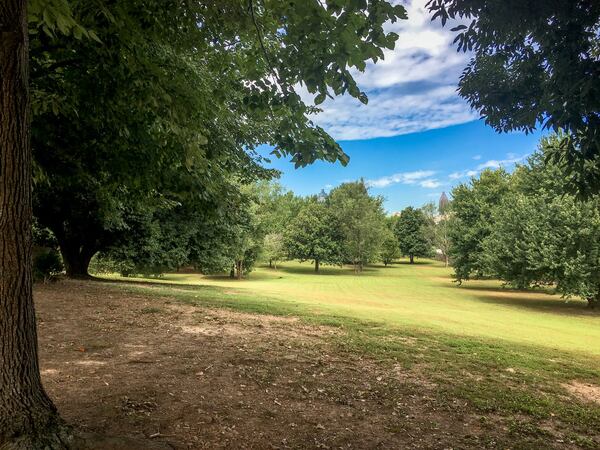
(472, 208)
(361, 221)
(411, 232)
(543, 235)
(535, 63)
(314, 235)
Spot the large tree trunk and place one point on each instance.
(316, 266)
(412, 258)
(76, 259)
(28, 419)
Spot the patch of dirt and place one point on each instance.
(201, 378)
(583, 391)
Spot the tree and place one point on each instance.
(390, 250)
(441, 237)
(542, 235)
(28, 418)
(472, 209)
(314, 235)
(361, 220)
(438, 226)
(274, 248)
(535, 63)
(276, 209)
(411, 232)
(260, 46)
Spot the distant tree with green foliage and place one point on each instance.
(390, 248)
(543, 235)
(441, 237)
(412, 233)
(472, 209)
(313, 235)
(361, 221)
(438, 227)
(273, 248)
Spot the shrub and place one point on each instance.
(47, 264)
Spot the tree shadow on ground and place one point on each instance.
(327, 270)
(154, 282)
(539, 300)
(420, 262)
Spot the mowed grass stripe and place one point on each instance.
(421, 296)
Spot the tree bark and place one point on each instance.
(76, 259)
(316, 266)
(28, 418)
(240, 269)
(412, 258)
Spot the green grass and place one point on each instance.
(423, 296)
(505, 352)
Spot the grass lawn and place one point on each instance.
(528, 357)
(422, 296)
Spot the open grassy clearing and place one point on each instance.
(422, 296)
(526, 364)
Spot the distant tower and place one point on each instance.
(443, 205)
(322, 196)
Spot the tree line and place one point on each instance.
(347, 226)
(528, 228)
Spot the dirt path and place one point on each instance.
(201, 378)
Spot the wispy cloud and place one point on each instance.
(418, 176)
(430, 184)
(463, 174)
(477, 157)
(511, 159)
(413, 89)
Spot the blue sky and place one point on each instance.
(416, 137)
(413, 169)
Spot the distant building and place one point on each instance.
(443, 204)
(322, 196)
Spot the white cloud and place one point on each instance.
(413, 89)
(417, 176)
(511, 159)
(430, 184)
(477, 157)
(463, 174)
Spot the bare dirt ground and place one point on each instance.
(127, 365)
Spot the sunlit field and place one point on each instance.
(420, 296)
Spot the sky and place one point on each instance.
(416, 137)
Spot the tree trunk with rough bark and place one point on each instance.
(28, 418)
(239, 267)
(76, 259)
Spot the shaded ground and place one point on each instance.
(123, 363)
